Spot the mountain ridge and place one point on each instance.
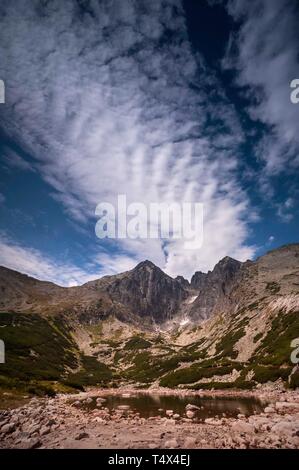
(143, 327)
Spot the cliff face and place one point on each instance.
(146, 290)
(213, 288)
(147, 293)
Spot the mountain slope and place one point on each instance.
(240, 320)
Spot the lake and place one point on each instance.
(148, 405)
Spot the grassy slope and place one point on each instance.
(41, 356)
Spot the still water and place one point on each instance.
(148, 405)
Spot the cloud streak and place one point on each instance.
(265, 53)
(109, 99)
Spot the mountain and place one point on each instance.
(146, 290)
(229, 328)
(213, 288)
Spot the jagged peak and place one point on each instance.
(146, 264)
(228, 259)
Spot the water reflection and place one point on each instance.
(148, 405)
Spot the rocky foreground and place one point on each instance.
(62, 422)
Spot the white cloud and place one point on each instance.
(270, 240)
(284, 210)
(12, 159)
(32, 262)
(265, 53)
(107, 106)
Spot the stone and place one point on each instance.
(269, 409)
(190, 414)
(242, 427)
(152, 445)
(285, 428)
(189, 442)
(30, 444)
(171, 444)
(213, 422)
(81, 435)
(123, 407)
(8, 428)
(44, 430)
(192, 407)
(169, 412)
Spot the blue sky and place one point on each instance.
(164, 101)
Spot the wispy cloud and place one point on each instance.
(36, 264)
(265, 53)
(110, 99)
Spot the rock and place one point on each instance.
(269, 409)
(192, 407)
(33, 429)
(285, 428)
(189, 442)
(285, 404)
(242, 427)
(190, 414)
(169, 412)
(152, 445)
(213, 422)
(170, 421)
(81, 435)
(101, 400)
(123, 407)
(171, 444)
(30, 444)
(88, 401)
(176, 416)
(8, 428)
(44, 430)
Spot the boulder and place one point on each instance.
(189, 442)
(171, 444)
(192, 407)
(8, 428)
(243, 427)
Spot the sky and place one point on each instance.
(162, 101)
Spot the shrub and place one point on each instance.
(136, 342)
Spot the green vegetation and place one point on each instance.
(273, 287)
(192, 374)
(275, 348)
(237, 384)
(92, 372)
(37, 349)
(263, 374)
(136, 342)
(294, 380)
(227, 343)
(257, 337)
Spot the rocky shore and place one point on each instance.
(62, 422)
